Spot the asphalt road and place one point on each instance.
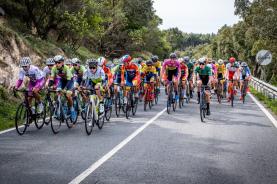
(234, 146)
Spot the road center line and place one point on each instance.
(106, 157)
(270, 117)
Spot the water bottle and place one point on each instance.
(33, 109)
(101, 107)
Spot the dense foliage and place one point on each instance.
(256, 31)
(115, 27)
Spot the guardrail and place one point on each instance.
(263, 87)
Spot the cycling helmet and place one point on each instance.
(58, 58)
(68, 62)
(92, 62)
(244, 64)
(154, 58)
(173, 56)
(202, 60)
(75, 61)
(25, 61)
(101, 61)
(220, 62)
(186, 59)
(149, 62)
(139, 60)
(50, 61)
(232, 60)
(115, 61)
(126, 58)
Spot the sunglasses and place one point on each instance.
(24, 66)
(201, 64)
(58, 62)
(92, 67)
(75, 64)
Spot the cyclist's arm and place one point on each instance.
(20, 80)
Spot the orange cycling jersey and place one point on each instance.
(184, 71)
(130, 72)
(109, 74)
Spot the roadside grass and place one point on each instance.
(270, 103)
(8, 106)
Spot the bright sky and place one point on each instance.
(197, 16)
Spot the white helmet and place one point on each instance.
(202, 60)
(75, 61)
(220, 62)
(58, 58)
(101, 61)
(50, 61)
(68, 62)
(25, 61)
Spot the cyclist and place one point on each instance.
(184, 75)
(232, 74)
(116, 72)
(130, 75)
(221, 70)
(63, 74)
(158, 65)
(190, 66)
(68, 62)
(149, 73)
(171, 72)
(214, 72)
(47, 70)
(245, 74)
(93, 78)
(77, 71)
(36, 82)
(108, 75)
(203, 76)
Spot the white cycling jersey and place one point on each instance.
(46, 71)
(34, 73)
(99, 75)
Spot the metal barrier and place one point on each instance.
(263, 87)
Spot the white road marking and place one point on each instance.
(106, 157)
(11, 129)
(272, 119)
(8, 130)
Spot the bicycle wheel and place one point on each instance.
(202, 107)
(39, 117)
(187, 93)
(101, 121)
(145, 104)
(108, 109)
(181, 98)
(174, 104)
(244, 91)
(76, 108)
(89, 119)
(57, 121)
(134, 106)
(169, 102)
(156, 96)
(128, 108)
(68, 120)
(48, 107)
(117, 105)
(232, 98)
(21, 119)
(201, 113)
(219, 92)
